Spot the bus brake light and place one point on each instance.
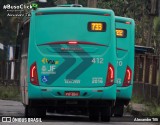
(110, 75)
(34, 74)
(128, 76)
(72, 42)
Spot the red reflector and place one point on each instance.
(118, 90)
(107, 14)
(128, 77)
(72, 42)
(128, 22)
(110, 75)
(99, 90)
(33, 74)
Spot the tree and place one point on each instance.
(140, 11)
(156, 28)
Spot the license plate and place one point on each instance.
(72, 94)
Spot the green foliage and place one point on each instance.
(129, 8)
(137, 99)
(139, 10)
(156, 25)
(153, 109)
(9, 93)
(118, 6)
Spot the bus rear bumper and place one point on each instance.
(102, 93)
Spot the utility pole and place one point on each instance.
(153, 6)
(61, 2)
(150, 25)
(159, 81)
(159, 58)
(159, 8)
(76, 1)
(92, 3)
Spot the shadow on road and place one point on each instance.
(80, 118)
(66, 118)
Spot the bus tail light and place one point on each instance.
(127, 22)
(110, 75)
(106, 14)
(34, 74)
(128, 76)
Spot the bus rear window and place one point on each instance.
(72, 27)
(121, 33)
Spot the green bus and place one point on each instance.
(68, 61)
(125, 36)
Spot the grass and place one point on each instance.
(9, 93)
(155, 111)
(137, 99)
(153, 108)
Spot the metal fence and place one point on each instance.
(146, 69)
(9, 72)
(146, 77)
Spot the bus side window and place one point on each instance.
(22, 41)
(18, 43)
(25, 39)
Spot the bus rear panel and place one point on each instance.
(71, 58)
(72, 53)
(125, 62)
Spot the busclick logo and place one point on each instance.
(17, 7)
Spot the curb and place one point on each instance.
(137, 109)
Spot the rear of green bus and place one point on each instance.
(125, 34)
(72, 60)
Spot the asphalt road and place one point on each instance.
(16, 109)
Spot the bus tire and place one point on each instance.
(51, 110)
(35, 112)
(94, 115)
(106, 114)
(118, 111)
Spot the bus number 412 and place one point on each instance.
(98, 60)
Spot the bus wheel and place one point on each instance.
(94, 115)
(35, 112)
(106, 114)
(118, 112)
